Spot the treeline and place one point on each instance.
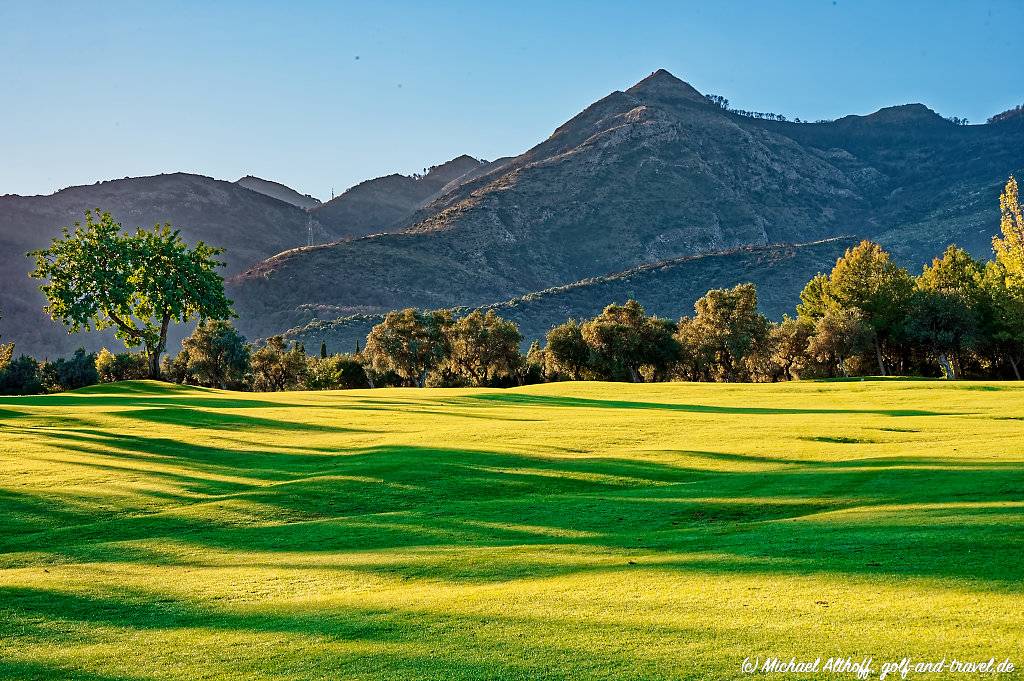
(723, 103)
(959, 318)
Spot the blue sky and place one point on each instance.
(322, 95)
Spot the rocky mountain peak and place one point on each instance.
(449, 170)
(663, 86)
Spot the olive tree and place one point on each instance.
(410, 343)
(484, 346)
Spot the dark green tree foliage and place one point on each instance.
(534, 365)
(945, 308)
(336, 372)
(215, 355)
(866, 279)
(724, 334)
(70, 373)
(409, 343)
(787, 343)
(97, 277)
(176, 369)
(567, 353)
(624, 341)
(814, 298)
(275, 367)
(21, 376)
(483, 347)
(839, 338)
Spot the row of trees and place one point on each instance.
(958, 317)
(723, 103)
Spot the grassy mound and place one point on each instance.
(580, 530)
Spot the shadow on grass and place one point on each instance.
(902, 515)
(23, 670)
(924, 516)
(421, 643)
(580, 402)
(218, 420)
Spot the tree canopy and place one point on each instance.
(98, 277)
(409, 342)
(1009, 248)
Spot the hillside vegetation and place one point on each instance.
(654, 173)
(668, 289)
(575, 530)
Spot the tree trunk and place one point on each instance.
(635, 376)
(1013, 363)
(156, 352)
(154, 363)
(421, 381)
(947, 367)
(878, 354)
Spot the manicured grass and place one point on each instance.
(579, 530)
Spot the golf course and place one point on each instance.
(557, 531)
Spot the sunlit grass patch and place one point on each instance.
(580, 530)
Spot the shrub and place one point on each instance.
(125, 366)
(21, 377)
(76, 371)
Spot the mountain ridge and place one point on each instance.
(278, 191)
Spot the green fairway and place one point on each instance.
(575, 530)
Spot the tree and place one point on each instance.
(726, 330)
(483, 346)
(275, 367)
(1003, 323)
(1010, 247)
(813, 303)
(624, 340)
(97, 277)
(6, 352)
(788, 343)
(839, 336)
(866, 279)
(71, 373)
(410, 343)
(566, 351)
(177, 370)
(216, 355)
(696, 357)
(944, 307)
(336, 372)
(126, 366)
(21, 377)
(534, 367)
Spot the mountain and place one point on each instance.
(377, 205)
(668, 289)
(278, 191)
(250, 225)
(649, 174)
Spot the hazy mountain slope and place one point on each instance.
(249, 225)
(376, 205)
(668, 289)
(653, 173)
(278, 191)
(932, 182)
